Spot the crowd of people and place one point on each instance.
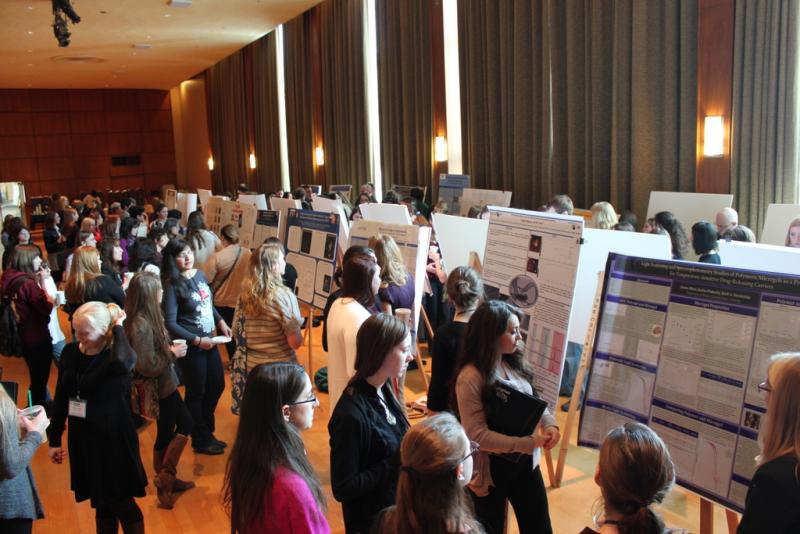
(150, 302)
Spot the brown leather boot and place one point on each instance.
(179, 485)
(165, 479)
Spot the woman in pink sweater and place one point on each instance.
(270, 485)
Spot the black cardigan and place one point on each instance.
(365, 454)
(773, 500)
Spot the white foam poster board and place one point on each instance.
(311, 241)
(776, 223)
(343, 189)
(681, 347)
(245, 216)
(259, 201)
(688, 208)
(531, 261)
(771, 258)
(385, 213)
(328, 205)
(457, 249)
(483, 197)
(597, 244)
(186, 203)
(267, 225)
(170, 199)
(203, 195)
(283, 205)
(413, 242)
(212, 212)
(451, 187)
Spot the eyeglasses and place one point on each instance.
(186, 254)
(312, 399)
(474, 446)
(764, 387)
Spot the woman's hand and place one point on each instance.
(120, 319)
(37, 424)
(551, 436)
(178, 349)
(223, 328)
(56, 454)
(205, 343)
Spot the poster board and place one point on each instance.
(451, 188)
(413, 241)
(483, 197)
(203, 195)
(385, 213)
(266, 225)
(186, 203)
(597, 244)
(531, 260)
(404, 191)
(681, 348)
(688, 208)
(343, 189)
(311, 238)
(328, 205)
(456, 250)
(259, 201)
(244, 215)
(283, 205)
(212, 211)
(163, 191)
(776, 223)
(171, 198)
(770, 258)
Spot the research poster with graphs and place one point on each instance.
(682, 347)
(311, 240)
(266, 225)
(531, 261)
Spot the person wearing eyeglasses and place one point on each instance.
(270, 485)
(436, 464)
(189, 314)
(368, 424)
(507, 467)
(773, 500)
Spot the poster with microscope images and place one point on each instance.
(267, 224)
(311, 238)
(414, 243)
(531, 261)
(682, 347)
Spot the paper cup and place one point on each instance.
(31, 412)
(179, 342)
(61, 298)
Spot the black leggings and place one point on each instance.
(16, 526)
(524, 489)
(38, 357)
(173, 418)
(126, 511)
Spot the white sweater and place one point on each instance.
(344, 319)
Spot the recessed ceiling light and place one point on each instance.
(30, 51)
(30, 64)
(30, 32)
(29, 8)
(167, 15)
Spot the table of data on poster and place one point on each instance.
(682, 347)
(531, 261)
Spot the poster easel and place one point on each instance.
(307, 337)
(707, 518)
(583, 368)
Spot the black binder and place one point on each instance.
(512, 412)
(12, 388)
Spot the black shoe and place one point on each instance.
(212, 449)
(218, 442)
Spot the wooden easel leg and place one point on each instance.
(309, 326)
(421, 367)
(733, 521)
(706, 516)
(428, 326)
(548, 460)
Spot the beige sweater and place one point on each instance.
(473, 419)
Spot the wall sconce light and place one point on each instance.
(714, 136)
(440, 149)
(210, 164)
(319, 156)
(252, 161)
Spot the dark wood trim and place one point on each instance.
(438, 98)
(714, 89)
(247, 58)
(317, 122)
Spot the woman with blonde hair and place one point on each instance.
(603, 216)
(436, 464)
(267, 321)
(93, 393)
(773, 500)
(156, 382)
(397, 284)
(87, 283)
(793, 233)
(19, 498)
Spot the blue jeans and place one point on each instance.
(205, 381)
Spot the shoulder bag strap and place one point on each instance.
(227, 274)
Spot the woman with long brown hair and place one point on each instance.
(270, 485)
(436, 458)
(773, 500)
(506, 467)
(156, 382)
(368, 424)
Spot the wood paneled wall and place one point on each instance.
(714, 89)
(63, 140)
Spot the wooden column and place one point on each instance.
(714, 89)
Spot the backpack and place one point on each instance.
(10, 342)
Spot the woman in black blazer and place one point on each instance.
(368, 424)
(773, 500)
